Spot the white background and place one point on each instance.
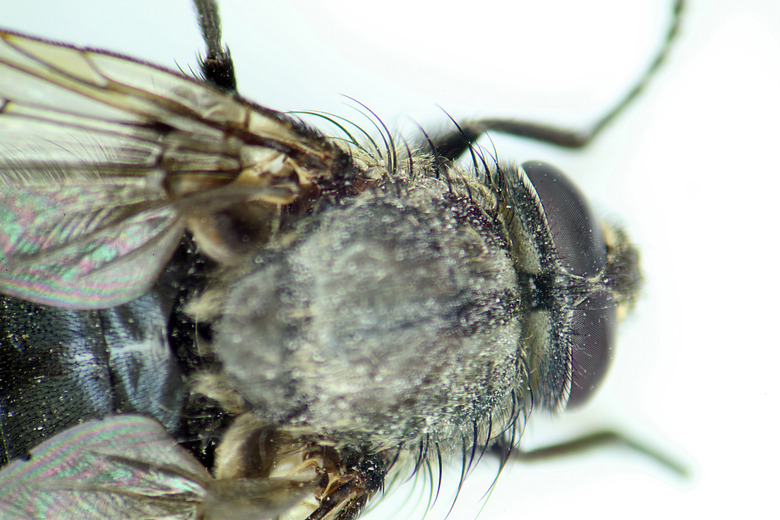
(691, 170)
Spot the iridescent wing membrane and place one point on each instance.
(127, 466)
(105, 161)
(101, 469)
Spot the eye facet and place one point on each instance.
(576, 233)
(580, 248)
(592, 337)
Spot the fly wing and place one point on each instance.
(127, 466)
(104, 161)
(120, 467)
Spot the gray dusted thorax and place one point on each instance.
(382, 320)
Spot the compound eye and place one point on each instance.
(576, 233)
(592, 338)
(580, 248)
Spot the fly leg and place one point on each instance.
(217, 66)
(454, 144)
(602, 439)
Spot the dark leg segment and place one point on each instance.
(452, 145)
(217, 67)
(596, 440)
